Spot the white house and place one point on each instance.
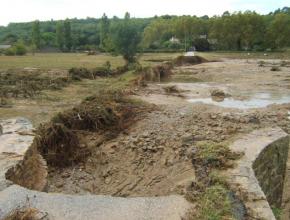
(174, 40)
(4, 46)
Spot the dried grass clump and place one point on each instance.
(213, 155)
(189, 60)
(59, 145)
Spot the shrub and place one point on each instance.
(20, 49)
(10, 52)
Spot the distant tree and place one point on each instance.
(59, 35)
(48, 39)
(67, 35)
(104, 32)
(125, 38)
(36, 38)
(279, 31)
(32, 49)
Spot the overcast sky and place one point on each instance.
(29, 10)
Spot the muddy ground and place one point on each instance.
(152, 157)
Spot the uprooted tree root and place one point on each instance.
(189, 60)
(59, 145)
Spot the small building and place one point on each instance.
(4, 46)
(174, 40)
(203, 36)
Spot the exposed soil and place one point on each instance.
(151, 158)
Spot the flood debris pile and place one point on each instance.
(85, 73)
(78, 73)
(26, 214)
(25, 84)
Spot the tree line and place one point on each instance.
(231, 31)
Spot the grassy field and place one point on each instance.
(69, 60)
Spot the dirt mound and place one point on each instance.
(189, 60)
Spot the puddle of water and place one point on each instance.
(260, 100)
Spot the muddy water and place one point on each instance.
(241, 98)
(260, 100)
